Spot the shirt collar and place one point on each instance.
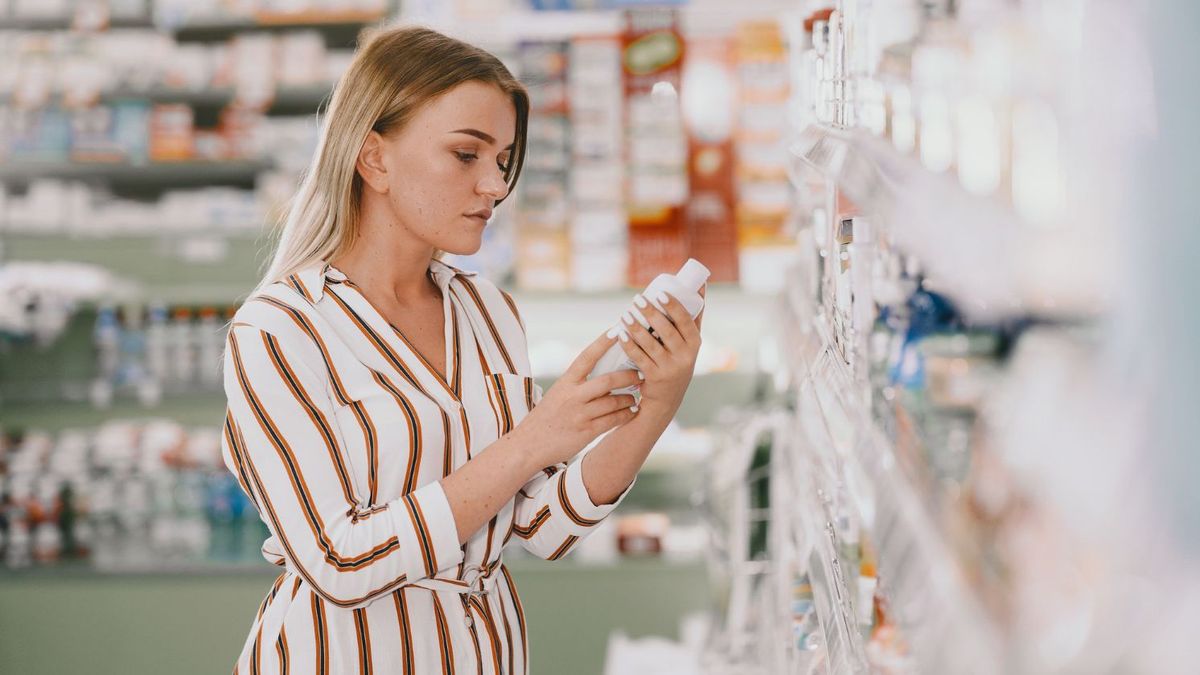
(312, 279)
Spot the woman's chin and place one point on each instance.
(465, 246)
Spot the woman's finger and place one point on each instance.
(663, 325)
(680, 319)
(609, 404)
(613, 420)
(641, 335)
(600, 386)
(587, 359)
(635, 352)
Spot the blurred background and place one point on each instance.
(944, 416)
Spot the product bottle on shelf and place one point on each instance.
(208, 340)
(183, 355)
(684, 286)
(106, 337)
(157, 343)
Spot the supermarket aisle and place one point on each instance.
(929, 430)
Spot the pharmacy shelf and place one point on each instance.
(975, 249)
(533, 25)
(176, 267)
(967, 242)
(929, 594)
(290, 100)
(340, 27)
(206, 406)
(149, 175)
(64, 23)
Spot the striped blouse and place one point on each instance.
(340, 432)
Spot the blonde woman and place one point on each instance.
(381, 414)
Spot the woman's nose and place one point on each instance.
(493, 186)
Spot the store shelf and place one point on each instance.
(63, 23)
(143, 176)
(973, 249)
(286, 100)
(967, 242)
(181, 267)
(534, 25)
(338, 27)
(929, 595)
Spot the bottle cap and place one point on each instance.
(693, 274)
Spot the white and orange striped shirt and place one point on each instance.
(340, 432)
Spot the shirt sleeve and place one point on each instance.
(283, 444)
(554, 512)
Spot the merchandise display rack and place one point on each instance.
(903, 488)
(146, 175)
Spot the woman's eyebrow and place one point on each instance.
(487, 138)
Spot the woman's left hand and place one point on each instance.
(668, 361)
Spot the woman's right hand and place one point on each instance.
(576, 410)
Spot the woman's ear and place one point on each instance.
(370, 163)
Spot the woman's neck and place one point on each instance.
(380, 262)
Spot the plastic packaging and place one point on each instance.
(684, 286)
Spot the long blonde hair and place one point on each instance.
(396, 72)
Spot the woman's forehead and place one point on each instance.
(474, 106)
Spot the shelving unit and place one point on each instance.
(155, 175)
(60, 23)
(930, 598)
(340, 26)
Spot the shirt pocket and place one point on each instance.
(513, 396)
(388, 438)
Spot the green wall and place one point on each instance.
(78, 622)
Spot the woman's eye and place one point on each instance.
(466, 157)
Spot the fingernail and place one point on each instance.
(662, 298)
(640, 375)
(612, 333)
(639, 300)
(624, 336)
(627, 317)
(633, 409)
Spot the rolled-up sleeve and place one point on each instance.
(554, 511)
(283, 444)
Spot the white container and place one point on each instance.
(684, 286)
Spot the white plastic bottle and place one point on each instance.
(684, 286)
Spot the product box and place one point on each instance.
(39, 135)
(171, 133)
(111, 133)
(544, 260)
(764, 193)
(709, 105)
(655, 142)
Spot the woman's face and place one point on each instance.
(443, 171)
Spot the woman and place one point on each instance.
(381, 414)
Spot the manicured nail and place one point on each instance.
(627, 317)
(612, 333)
(662, 298)
(640, 375)
(639, 300)
(633, 409)
(624, 337)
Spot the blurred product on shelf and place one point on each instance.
(129, 495)
(37, 299)
(656, 151)
(144, 354)
(642, 534)
(150, 493)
